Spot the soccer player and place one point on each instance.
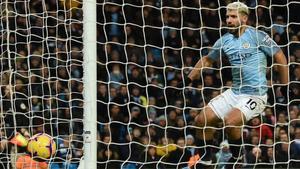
(247, 50)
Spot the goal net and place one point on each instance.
(147, 47)
(144, 50)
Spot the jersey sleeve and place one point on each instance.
(267, 44)
(216, 50)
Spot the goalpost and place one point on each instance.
(90, 83)
(101, 78)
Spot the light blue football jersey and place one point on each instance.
(247, 55)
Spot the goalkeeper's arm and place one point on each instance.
(202, 63)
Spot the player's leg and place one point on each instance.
(207, 118)
(204, 135)
(214, 113)
(246, 108)
(234, 122)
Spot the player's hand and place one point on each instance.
(285, 92)
(182, 84)
(185, 82)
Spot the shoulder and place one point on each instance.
(258, 32)
(225, 38)
(258, 35)
(254, 31)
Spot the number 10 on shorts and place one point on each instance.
(251, 104)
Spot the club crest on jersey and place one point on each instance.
(246, 45)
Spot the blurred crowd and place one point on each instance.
(147, 121)
(145, 48)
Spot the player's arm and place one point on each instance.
(282, 67)
(203, 62)
(268, 45)
(270, 48)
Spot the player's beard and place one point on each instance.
(233, 29)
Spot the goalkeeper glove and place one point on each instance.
(19, 140)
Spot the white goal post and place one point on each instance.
(90, 83)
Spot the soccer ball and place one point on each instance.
(41, 146)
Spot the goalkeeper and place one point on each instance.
(247, 50)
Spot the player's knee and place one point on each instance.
(229, 121)
(205, 119)
(232, 127)
(233, 121)
(200, 120)
(233, 133)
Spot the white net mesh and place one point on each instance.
(41, 85)
(145, 50)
